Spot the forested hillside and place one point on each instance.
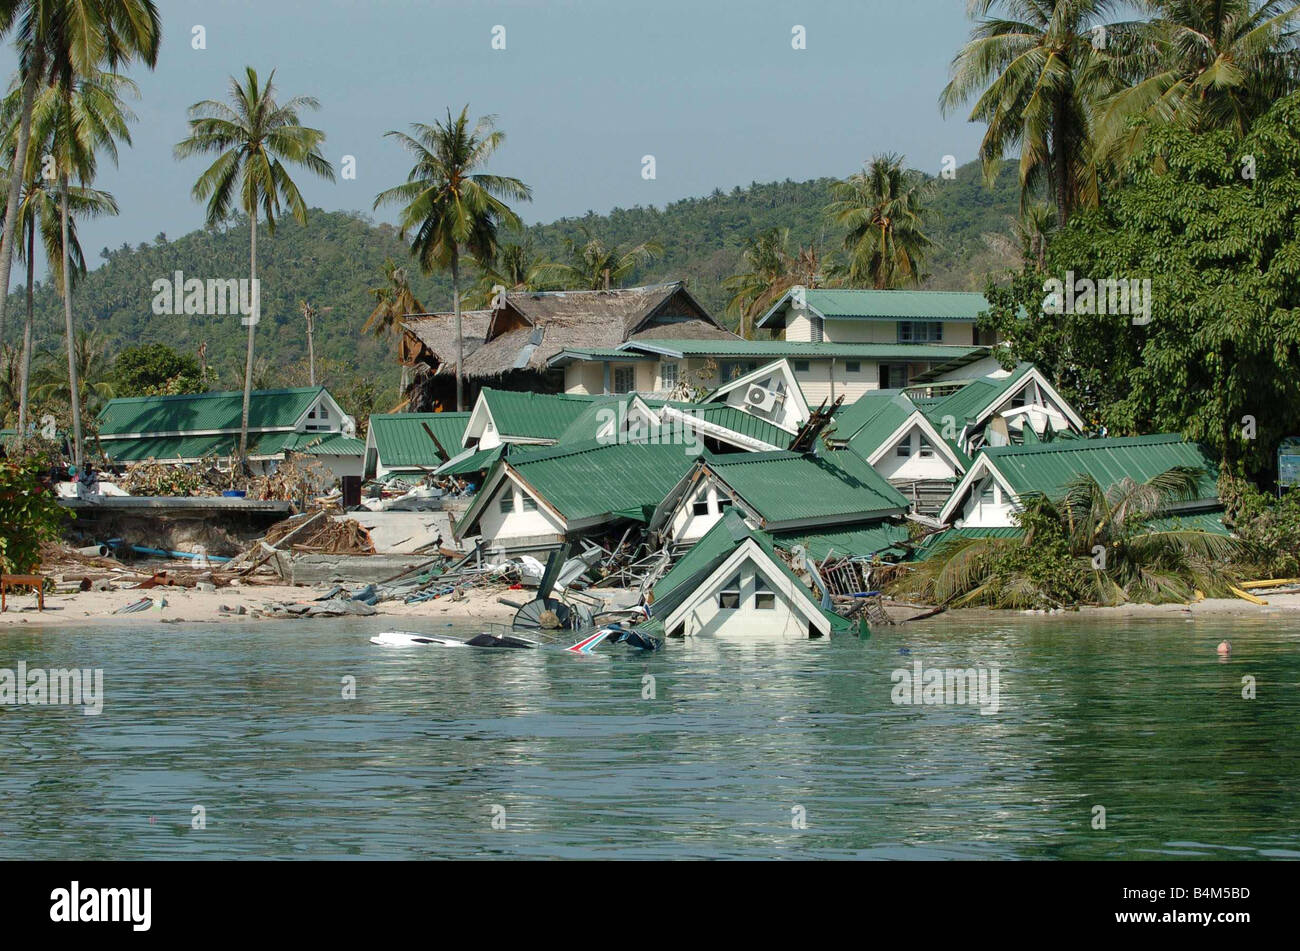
(337, 257)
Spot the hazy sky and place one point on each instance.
(711, 88)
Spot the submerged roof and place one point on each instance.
(855, 541)
(205, 412)
(693, 568)
(402, 442)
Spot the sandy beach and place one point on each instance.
(190, 605)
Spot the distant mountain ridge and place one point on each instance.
(336, 258)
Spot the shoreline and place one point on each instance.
(192, 606)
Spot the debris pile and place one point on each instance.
(325, 536)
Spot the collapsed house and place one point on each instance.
(733, 583)
(533, 499)
(789, 495)
(511, 346)
(407, 444)
(199, 427)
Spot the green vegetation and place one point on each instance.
(449, 206)
(1094, 545)
(255, 137)
(29, 514)
(1213, 220)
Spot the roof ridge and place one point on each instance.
(212, 394)
(1101, 442)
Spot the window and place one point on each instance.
(624, 379)
(729, 370)
(729, 596)
(764, 596)
(801, 366)
(920, 331)
(700, 507)
(927, 451)
(507, 503)
(904, 449)
(852, 366)
(324, 411)
(893, 375)
(987, 493)
(530, 503)
(668, 376)
(723, 503)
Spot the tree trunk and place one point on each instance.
(16, 181)
(311, 352)
(252, 319)
(26, 368)
(74, 385)
(460, 336)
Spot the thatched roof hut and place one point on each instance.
(531, 327)
(431, 338)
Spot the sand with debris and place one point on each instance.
(190, 605)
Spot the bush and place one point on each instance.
(29, 514)
(1269, 528)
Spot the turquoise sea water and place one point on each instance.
(740, 745)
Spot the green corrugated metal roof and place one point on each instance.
(841, 303)
(402, 442)
(1211, 522)
(862, 542)
(693, 568)
(322, 444)
(1049, 467)
(975, 396)
(932, 543)
(739, 421)
(587, 480)
(789, 486)
(170, 448)
(585, 424)
(268, 409)
(534, 415)
(475, 462)
(774, 349)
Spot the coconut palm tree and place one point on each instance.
(79, 116)
(1036, 75)
(1094, 544)
(1202, 65)
(882, 209)
(594, 265)
(394, 302)
(771, 270)
(515, 267)
(90, 374)
(58, 41)
(255, 137)
(449, 207)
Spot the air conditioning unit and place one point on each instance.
(760, 397)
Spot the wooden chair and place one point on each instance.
(23, 581)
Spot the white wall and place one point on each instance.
(497, 527)
(981, 513)
(685, 527)
(706, 618)
(915, 466)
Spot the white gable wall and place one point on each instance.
(686, 527)
(519, 522)
(914, 466)
(702, 615)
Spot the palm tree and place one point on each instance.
(771, 270)
(91, 370)
(58, 41)
(253, 136)
(78, 116)
(515, 267)
(1093, 544)
(448, 207)
(1202, 66)
(1036, 76)
(394, 302)
(882, 209)
(594, 265)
